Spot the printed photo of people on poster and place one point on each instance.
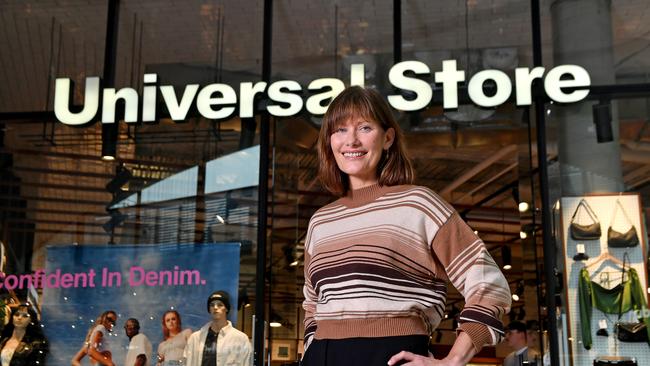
(130, 305)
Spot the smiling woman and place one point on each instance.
(360, 139)
(377, 259)
(358, 145)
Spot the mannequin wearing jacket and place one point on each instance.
(218, 343)
(23, 342)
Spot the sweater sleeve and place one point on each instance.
(473, 272)
(584, 301)
(309, 304)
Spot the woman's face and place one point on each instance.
(357, 146)
(171, 321)
(109, 321)
(21, 318)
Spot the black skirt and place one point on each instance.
(362, 351)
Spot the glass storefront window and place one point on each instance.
(598, 181)
(41, 41)
(171, 219)
(176, 215)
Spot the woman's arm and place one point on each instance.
(478, 278)
(104, 358)
(474, 273)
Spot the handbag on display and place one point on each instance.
(585, 232)
(631, 332)
(622, 240)
(615, 361)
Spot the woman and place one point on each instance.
(97, 343)
(22, 342)
(170, 350)
(378, 258)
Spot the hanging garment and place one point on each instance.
(624, 297)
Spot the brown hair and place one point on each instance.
(395, 168)
(99, 321)
(178, 324)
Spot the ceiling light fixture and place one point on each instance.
(523, 206)
(506, 257)
(109, 141)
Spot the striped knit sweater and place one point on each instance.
(377, 263)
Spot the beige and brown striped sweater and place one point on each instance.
(377, 263)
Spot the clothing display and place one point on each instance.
(29, 352)
(233, 347)
(6, 355)
(626, 296)
(105, 344)
(627, 239)
(632, 332)
(377, 262)
(209, 357)
(139, 344)
(615, 361)
(585, 232)
(172, 348)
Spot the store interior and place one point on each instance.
(59, 188)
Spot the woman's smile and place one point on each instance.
(354, 154)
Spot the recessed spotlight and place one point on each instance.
(523, 206)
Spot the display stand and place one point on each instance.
(598, 264)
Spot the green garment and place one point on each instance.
(591, 294)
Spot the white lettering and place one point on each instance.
(149, 98)
(421, 88)
(62, 100)
(220, 101)
(503, 88)
(205, 100)
(357, 75)
(553, 85)
(247, 93)
(315, 102)
(276, 94)
(178, 111)
(524, 79)
(449, 77)
(130, 97)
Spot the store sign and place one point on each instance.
(222, 101)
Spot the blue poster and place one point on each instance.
(136, 281)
